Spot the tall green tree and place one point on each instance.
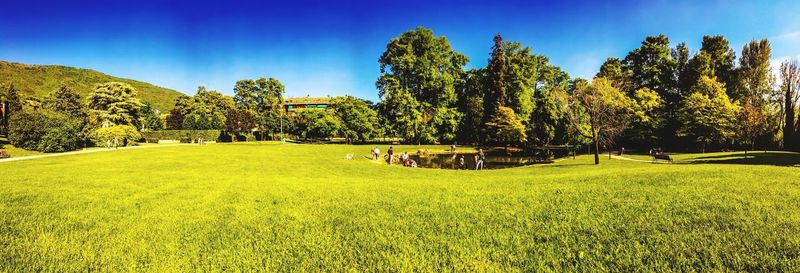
(183, 105)
(114, 103)
(790, 83)
(646, 119)
(550, 92)
(65, 101)
(681, 56)
(520, 79)
(418, 76)
(150, 118)
(470, 103)
(708, 115)
(543, 119)
(496, 89)
(10, 103)
(620, 75)
(206, 110)
(598, 111)
(722, 59)
(264, 97)
(358, 119)
(505, 127)
(754, 72)
(239, 121)
(651, 65)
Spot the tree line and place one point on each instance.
(63, 121)
(655, 96)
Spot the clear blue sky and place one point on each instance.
(323, 48)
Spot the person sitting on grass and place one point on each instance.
(461, 164)
(413, 164)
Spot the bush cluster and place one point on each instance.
(126, 135)
(45, 131)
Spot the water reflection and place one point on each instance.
(493, 161)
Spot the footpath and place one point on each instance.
(87, 151)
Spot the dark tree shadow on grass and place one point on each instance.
(753, 158)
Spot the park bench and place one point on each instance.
(3, 154)
(662, 157)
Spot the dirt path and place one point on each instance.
(87, 151)
(639, 160)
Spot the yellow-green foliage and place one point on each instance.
(126, 135)
(286, 208)
(40, 80)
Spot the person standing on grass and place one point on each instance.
(377, 153)
(481, 157)
(108, 144)
(404, 157)
(116, 143)
(461, 164)
(390, 152)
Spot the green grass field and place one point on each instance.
(270, 207)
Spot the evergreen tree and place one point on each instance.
(114, 103)
(65, 101)
(790, 82)
(10, 103)
(496, 92)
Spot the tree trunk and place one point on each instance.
(596, 147)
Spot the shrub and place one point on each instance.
(62, 134)
(127, 135)
(25, 129)
(45, 131)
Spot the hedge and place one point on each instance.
(182, 135)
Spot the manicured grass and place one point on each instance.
(248, 207)
(14, 151)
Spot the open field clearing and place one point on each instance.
(303, 207)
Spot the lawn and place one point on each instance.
(271, 207)
(14, 151)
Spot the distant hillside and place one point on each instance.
(40, 80)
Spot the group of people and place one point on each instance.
(656, 151)
(115, 143)
(405, 159)
(460, 163)
(201, 141)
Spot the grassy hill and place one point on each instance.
(40, 80)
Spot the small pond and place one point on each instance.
(497, 160)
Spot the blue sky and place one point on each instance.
(323, 48)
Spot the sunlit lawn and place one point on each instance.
(247, 207)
